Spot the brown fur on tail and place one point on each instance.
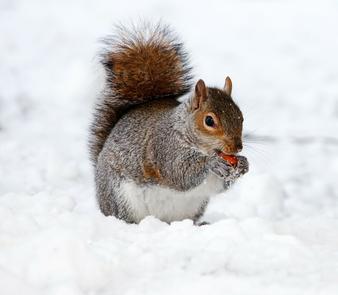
(141, 64)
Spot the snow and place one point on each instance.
(274, 232)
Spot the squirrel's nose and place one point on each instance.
(234, 146)
(238, 144)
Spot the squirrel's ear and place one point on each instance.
(200, 94)
(228, 86)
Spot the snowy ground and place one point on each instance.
(275, 232)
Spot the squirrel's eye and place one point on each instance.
(209, 121)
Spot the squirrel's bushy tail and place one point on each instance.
(141, 64)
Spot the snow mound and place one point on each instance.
(274, 232)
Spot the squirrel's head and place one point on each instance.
(218, 120)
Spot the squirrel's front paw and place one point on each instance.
(225, 170)
(220, 167)
(242, 166)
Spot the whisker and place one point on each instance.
(259, 155)
(260, 139)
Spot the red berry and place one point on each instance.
(231, 159)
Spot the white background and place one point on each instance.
(275, 232)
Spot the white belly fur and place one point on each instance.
(167, 204)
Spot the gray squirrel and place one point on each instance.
(152, 153)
